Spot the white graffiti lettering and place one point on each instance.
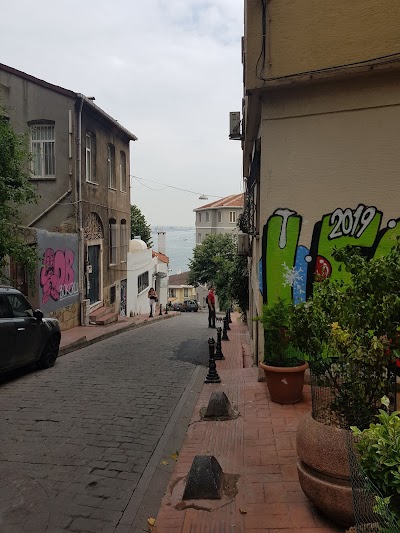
(68, 290)
(351, 223)
(285, 214)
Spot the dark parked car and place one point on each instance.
(25, 335)
(186, 306)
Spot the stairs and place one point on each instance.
(103, 316)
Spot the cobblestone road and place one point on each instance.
(76, 439)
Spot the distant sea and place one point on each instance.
(180, 242)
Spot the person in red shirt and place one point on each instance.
(211, 307)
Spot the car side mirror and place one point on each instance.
(38, 314)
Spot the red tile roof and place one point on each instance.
(162, 257)
(234, 200)
(179, 279)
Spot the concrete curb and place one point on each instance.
(83, 342)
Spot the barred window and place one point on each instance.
(113, 246)
(122, 171)
(111, 166)
(43, 150)
(185, 292)
(123, 241)
(91, 157)
(143, 282)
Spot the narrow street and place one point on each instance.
(81, 444)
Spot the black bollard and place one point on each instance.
(227, 321)
(160, 313)
(224, 333)
(218, 348)
(212, 376)
(229, 316)
(166, 310)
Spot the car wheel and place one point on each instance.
(49, 353)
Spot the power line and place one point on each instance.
(139, 180)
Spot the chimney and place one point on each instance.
(162, 242)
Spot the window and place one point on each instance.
(5, 311)
(111, 166)
(199, 217)
(123, 241)
(112, 294)
(207, 217)
(142, 282)
(232, 217)
(172, 293)
(113, 241)
(122, 171)
(185, 292)
(199, 238)
(43, 151)
(91, 157)
(19, 305)
(219, 216)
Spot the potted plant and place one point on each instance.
(284, 363)
(375, 466)
(348, 331)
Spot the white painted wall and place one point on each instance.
(139, 261)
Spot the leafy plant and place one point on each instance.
(15, 191)
(348, 331)
(379, 454)
(279, 350)
(215, 261)
(139, 226)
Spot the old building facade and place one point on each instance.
(80, 168)
(220, 216)
(321, 114)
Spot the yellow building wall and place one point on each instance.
(180, 294)
(330, 155)
(307, 35)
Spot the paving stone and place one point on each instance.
(88, 426)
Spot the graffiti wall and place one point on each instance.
(58, 270)
(290, 266)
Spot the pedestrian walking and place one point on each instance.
(211, 307)
(152, 295)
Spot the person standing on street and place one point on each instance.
(152, 295)
(211, 307)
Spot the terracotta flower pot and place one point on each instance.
(323, 469)
(285, 384)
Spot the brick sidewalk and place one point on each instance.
(259, 446)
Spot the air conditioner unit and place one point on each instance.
(243, 244)
(234, 125)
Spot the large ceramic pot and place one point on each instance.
(285, 384)
(323, 469)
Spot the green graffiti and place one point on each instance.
(348, 227)
(282, 235)
(388, 239)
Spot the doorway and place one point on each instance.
(94, 273)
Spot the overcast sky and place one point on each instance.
(168, 70)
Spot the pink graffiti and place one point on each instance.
(57, 277)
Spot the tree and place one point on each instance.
(139, 226)
(215, 261)
(15, 192)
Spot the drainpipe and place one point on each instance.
(81, 242)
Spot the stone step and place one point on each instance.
(99, 312)
(109, 318)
